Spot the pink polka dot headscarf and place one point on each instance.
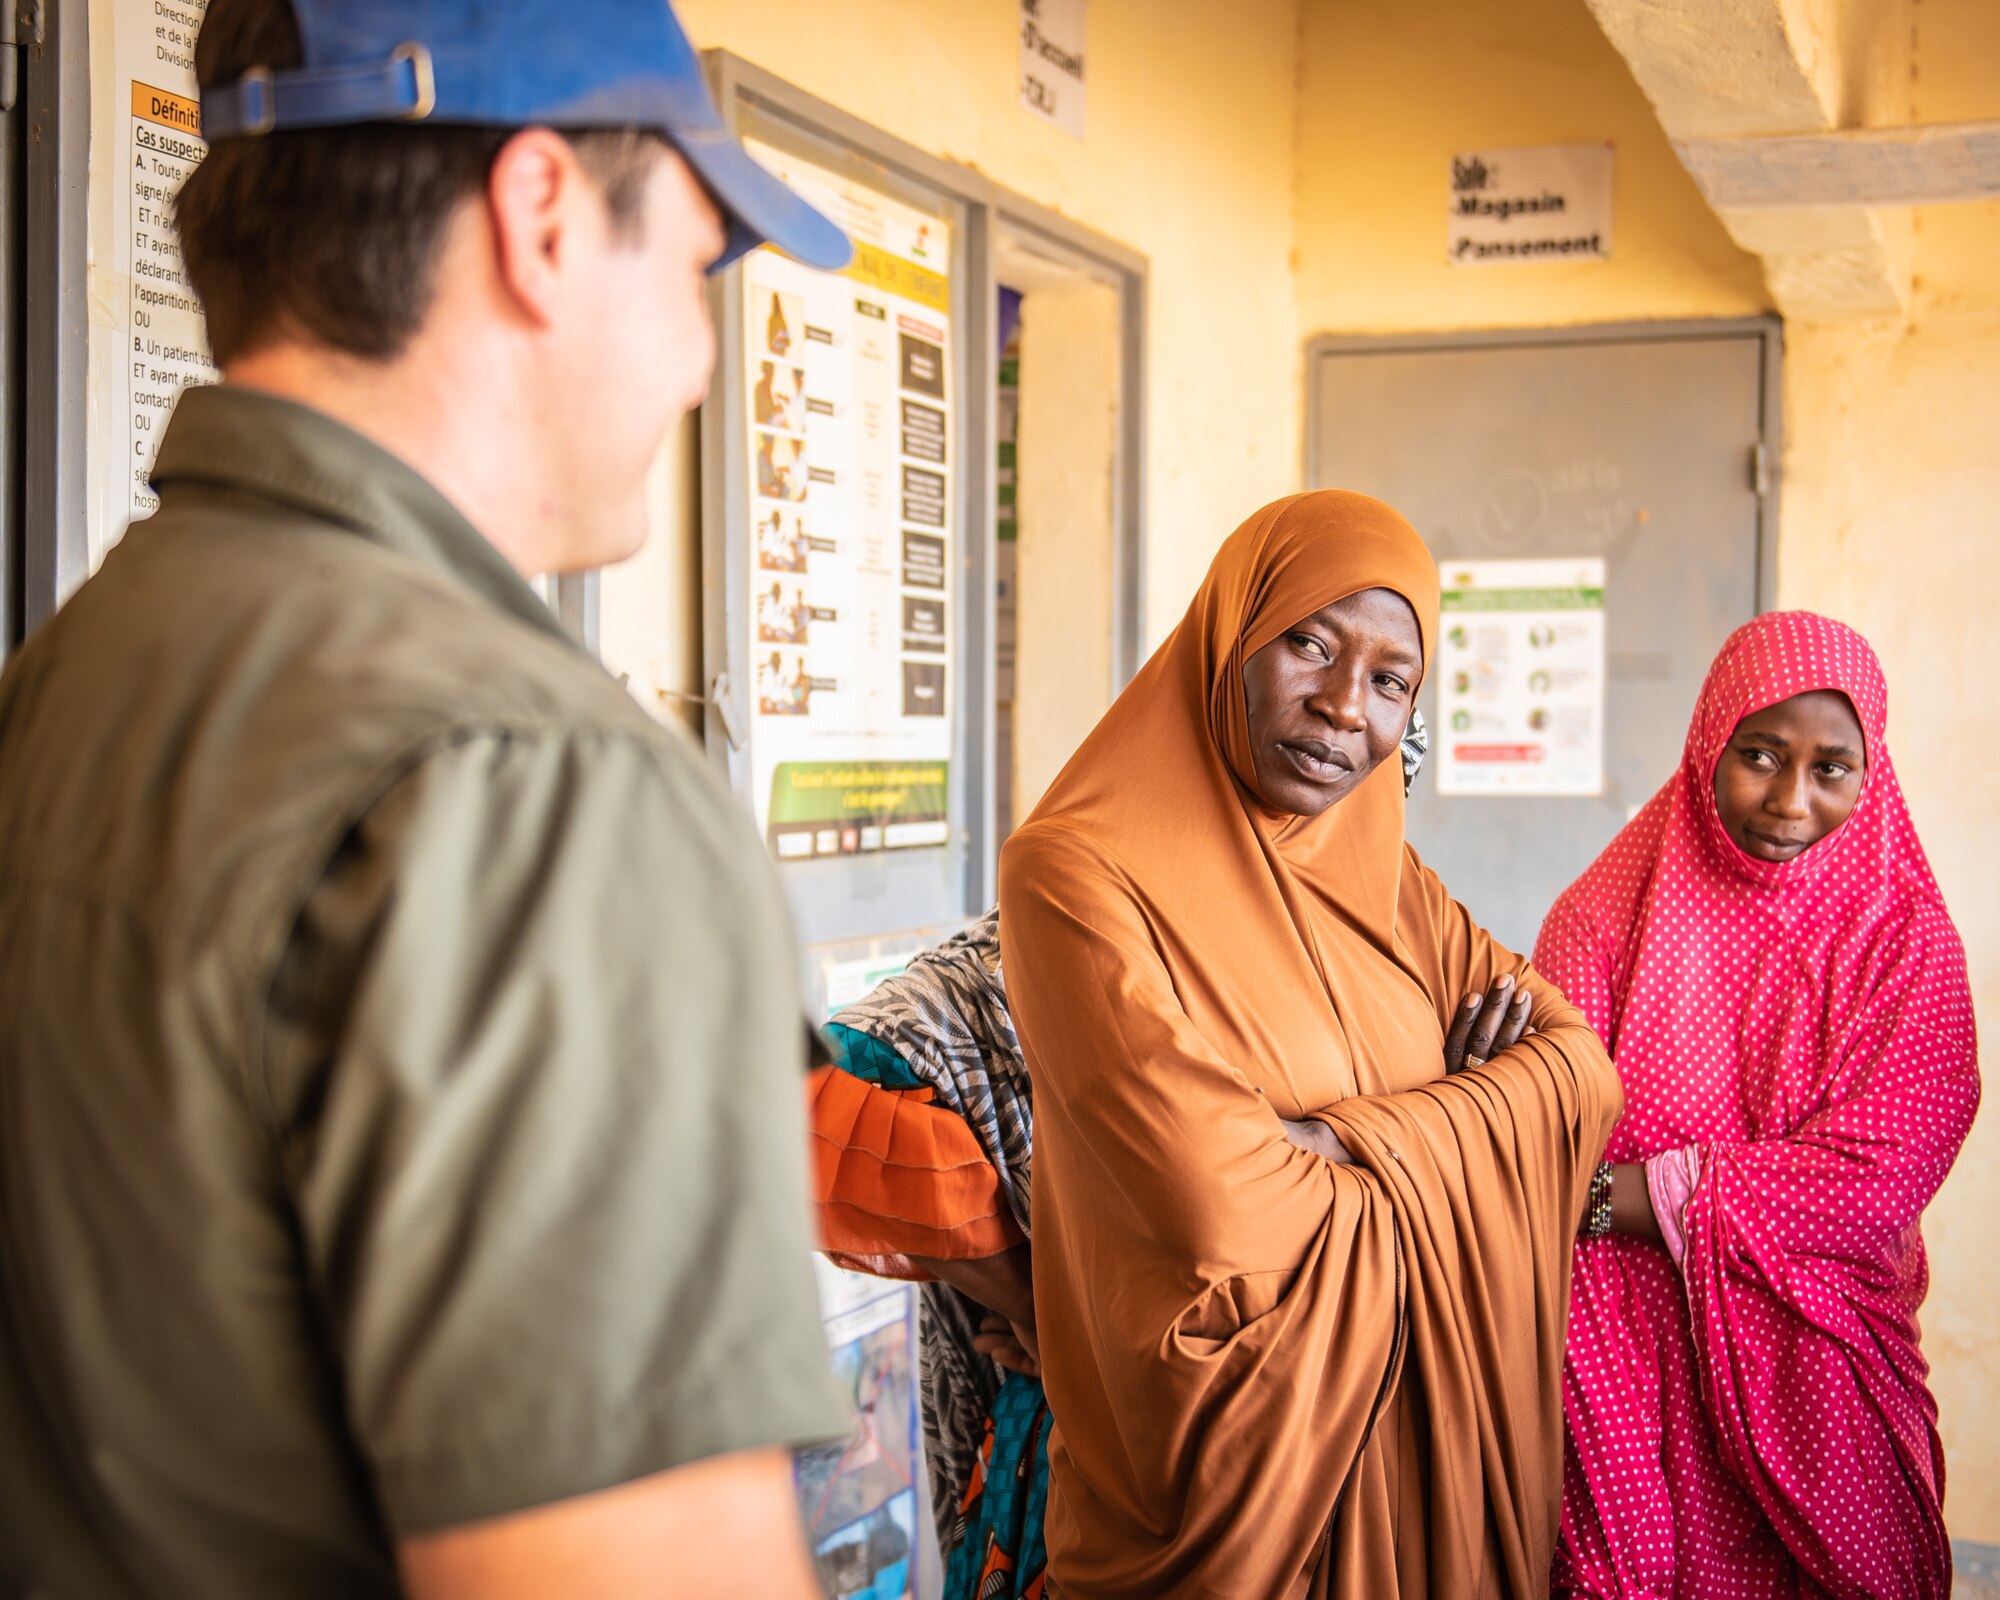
(1771, 659)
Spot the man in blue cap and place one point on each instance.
(400, 1114)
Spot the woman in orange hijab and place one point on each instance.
(1274, 1370)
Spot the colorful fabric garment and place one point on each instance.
(1796, 1044)
(939, 1034)
(1000, 1553)
(1416, 745)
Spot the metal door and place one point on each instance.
(1645, 446)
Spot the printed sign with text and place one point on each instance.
(1544, 203)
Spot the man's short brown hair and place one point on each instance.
(331, 235)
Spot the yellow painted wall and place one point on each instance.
(1892, 483)
(1892, 522)
(1389, 90)
(1285, 173)
(1188, 159)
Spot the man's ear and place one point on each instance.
(540, 203)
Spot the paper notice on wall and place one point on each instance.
(147, 339)
(1521, 678)
(852, 450)
(1543, 203)
(860, 1498)
(845, 982)
(1052, 61)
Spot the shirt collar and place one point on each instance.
(226, 436)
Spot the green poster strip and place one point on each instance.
(1523, 600)
(829, 792)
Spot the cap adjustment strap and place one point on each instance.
(403, 88)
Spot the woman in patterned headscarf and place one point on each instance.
(1766, 952)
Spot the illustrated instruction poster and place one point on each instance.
(147, 338)
(861, 1499)
(1521, 678)
(851, 438)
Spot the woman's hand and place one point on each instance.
(1319, 1139)
(1010, 1345)
(1487, 1024)
(1003, 1284)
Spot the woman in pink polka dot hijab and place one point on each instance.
(1766, 953)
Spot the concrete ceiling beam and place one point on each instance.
(1722, 75)
(1719, 68)
(1938, 165)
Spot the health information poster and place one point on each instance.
(850, 460)
(146, 335)
(1521, 678)
(862, 1498)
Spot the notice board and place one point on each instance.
(147, 340)
(849, 407)
(847, 528)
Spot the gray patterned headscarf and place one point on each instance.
(946, 1016)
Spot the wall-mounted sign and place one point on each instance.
(1052, 60)
(848, 981)
(861, 1499)
(1521, 678)
(851, 451)
(1544, 203)
(147, 341)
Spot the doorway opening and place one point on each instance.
(1060, 584)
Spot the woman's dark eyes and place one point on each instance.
(1831, 771)
(1306, 641)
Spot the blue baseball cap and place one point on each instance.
(524, 63)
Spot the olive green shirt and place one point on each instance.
(401, 1119)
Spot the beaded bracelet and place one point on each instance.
(1597, 1214)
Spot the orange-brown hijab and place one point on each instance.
(1288, 924)
(1270, 1375)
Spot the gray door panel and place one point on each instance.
(1640, 450)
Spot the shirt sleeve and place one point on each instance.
(896, 1176)
(548, 1158)
(1671, 1179)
